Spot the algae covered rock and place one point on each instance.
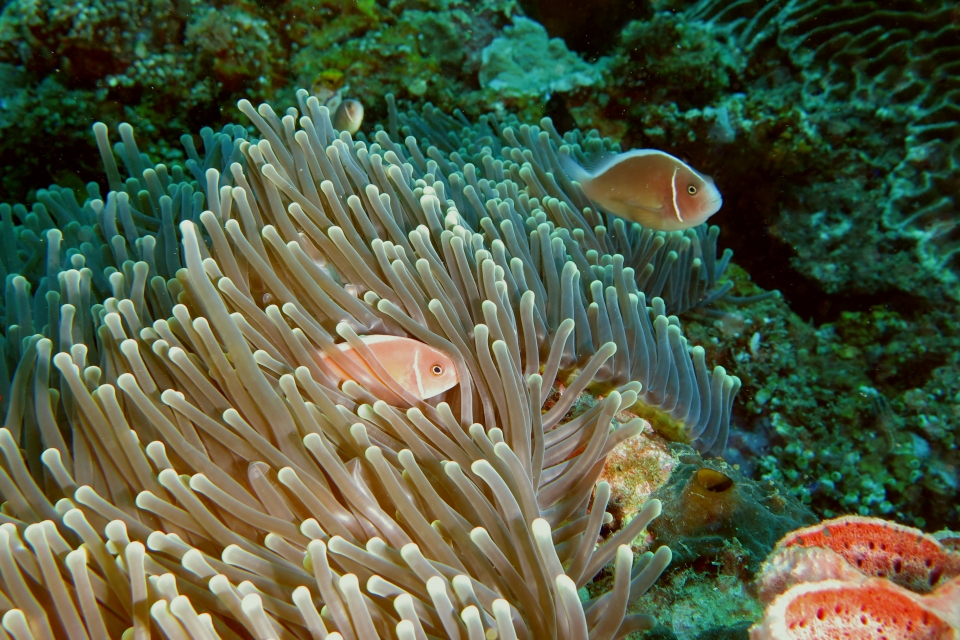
(524, 61)
(712, 514)
(719, 524)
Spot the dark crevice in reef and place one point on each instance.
(589, 27)
(556, 109)
(745, 221)
(833, 305)
(744, 228)
(909, 375)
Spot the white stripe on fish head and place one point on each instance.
(416, 372)
(673, 187)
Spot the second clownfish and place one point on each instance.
(649, 187)
(418, 367)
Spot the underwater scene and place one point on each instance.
(480, 319)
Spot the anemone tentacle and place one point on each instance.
(172, 412)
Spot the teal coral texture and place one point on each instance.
(887, 75)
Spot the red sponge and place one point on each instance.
(868, 610)
(879, 548)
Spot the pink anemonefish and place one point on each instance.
(649, 187)
(418, 367)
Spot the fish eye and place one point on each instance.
(437, 369)
(692, 190)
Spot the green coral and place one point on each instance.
(668, 59)
(525, 62)
(857, 416)
(415, 50)
(170, 67)
(845, 118)
(881, 81)
(149, 63)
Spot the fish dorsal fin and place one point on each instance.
(572, 169)
(603, 161)
(598, 161)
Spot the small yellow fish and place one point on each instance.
(649, 187)
(418, 367)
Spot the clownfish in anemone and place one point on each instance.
(649, 187)
(419, 368)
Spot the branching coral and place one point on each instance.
(169, 390)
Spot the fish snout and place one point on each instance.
(713, 198)
(712, 207)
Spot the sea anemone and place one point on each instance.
(189, 450)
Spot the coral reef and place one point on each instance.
(697, 605)
(168, 67)
(712, 513)
(718, 523)
(524, 62)
(876, 153)
(880, 86)
(415, 49)
(163, 406)
(857, 414)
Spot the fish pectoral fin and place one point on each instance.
(639, 205)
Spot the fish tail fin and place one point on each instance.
(573, 170)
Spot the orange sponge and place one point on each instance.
(858, 578)
(874, 608)
(874, 547)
